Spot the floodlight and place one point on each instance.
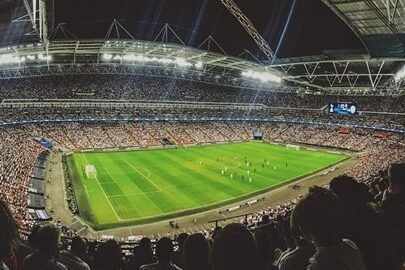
(400, 74)
(9, 59)
(181, 62)
(198, 65)
(262, 76)
(107, 56)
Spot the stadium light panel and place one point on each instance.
(9, 59)
(400, 74)
(262, 76)
(107, 56)
(198, 65)
(181, 62)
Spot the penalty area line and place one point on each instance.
(144, 176)
(134, 194)
(105, 194)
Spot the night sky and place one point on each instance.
(312, 27)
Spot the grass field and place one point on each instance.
(143, 186)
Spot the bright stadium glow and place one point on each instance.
(178, 61)
(199, 65)
(9, 59)
(43, 57)
(181, 62)
(262, 76)
(400, 74)
(107, 56)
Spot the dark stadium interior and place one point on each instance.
(305, 78)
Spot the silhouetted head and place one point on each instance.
(265, 249)
(346, 188)
(108, 256)
(145, 247)
(196, 252)
(8, 230)
(164, 249)
(181, 239)
(396, 175)
(78, 246)
(319, 216)
(48, 238)
(234, 249)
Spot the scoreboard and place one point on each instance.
(343, 108)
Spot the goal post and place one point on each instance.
(291, 146)
(90, 172)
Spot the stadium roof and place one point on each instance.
(380, 24)
(291, 27)
(343, 72)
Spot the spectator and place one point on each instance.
(74, 259)
(319, 216)
(164, 254)
(298, 258)
(108, 256)
(234, 249)
(47, 240)
(196, 253)
(8, 237)
(362, 223)
(25, 248)
(178, 258)
(142, 255)
(265, 251)
(394, 211)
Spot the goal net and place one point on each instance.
(90, 171)
(291, 146)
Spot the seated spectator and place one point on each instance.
(265, 251)
(178, 254)
(47, 241)
(319, 216)
(108, 256)
(142, 255)
(196, 253)
(297, 258)
(24, 248)
(234, 249)
(164, 254)
(394, 211)
(8, 237)
(362, 223)
(73, 259)
(394, 206)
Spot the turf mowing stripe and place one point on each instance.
(112, 207)
(144, 176)
(190, 179)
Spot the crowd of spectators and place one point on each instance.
(312, 231)
(376, 150)
(129, 87)
(341, 226)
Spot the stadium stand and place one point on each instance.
(26, 130)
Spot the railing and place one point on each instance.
(216, 221)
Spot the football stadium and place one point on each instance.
(202, 135)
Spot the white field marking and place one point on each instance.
(87, 191)
(105, 194)
(110, 176)
(146, 177)
(133, 194)
(147, 172)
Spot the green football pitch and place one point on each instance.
(149, 185)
